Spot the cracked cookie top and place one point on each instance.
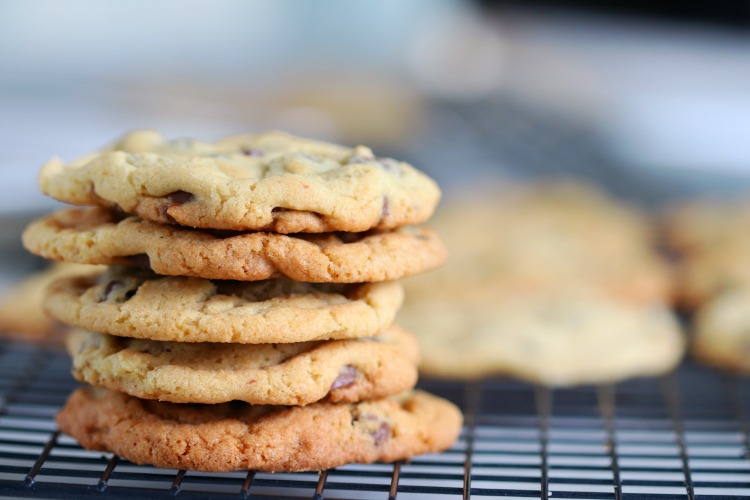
(269, 182)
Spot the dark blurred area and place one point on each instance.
(730, 13)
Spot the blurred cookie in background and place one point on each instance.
(22, 317)
(722, 330)
(554, 236)
(711, 248)
(698, 225)
(553, 339)
(555, 283)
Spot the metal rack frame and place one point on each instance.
(684, 435)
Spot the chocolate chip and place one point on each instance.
(386, 208)
(255, 153)
(118, 291)
(382, 434)
(140, 260)
(117, 214)
(110, 286)
(347, 376)
(375, 426)
(172, 200)
(164, 215)
(179, 197)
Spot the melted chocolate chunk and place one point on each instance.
(179, 197)
(375, 426)
(118, 291)
(110, 286)
(172, 200)
(140, 260)
(382, 434)
(347, 376)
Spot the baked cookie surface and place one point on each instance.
(269, 182)
(275, 374)
(98, 236)
(557, 340)
(237, 436)
(140, 304)
(722, 330)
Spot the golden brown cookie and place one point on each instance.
(98, 236)
(267, 374)
(238, 436)
(137, 303)
(269, 182)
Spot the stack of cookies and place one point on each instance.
(246, 318)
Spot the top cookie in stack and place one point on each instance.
(270, 182)
(336, 213)
(311, 235)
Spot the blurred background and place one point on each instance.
(649, 99)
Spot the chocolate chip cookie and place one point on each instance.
(275, 374)
(98, 236)
(268, 182)
(140, 304)
(238, 436)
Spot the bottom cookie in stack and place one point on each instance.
(239, 436)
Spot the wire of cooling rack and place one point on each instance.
(606, 403)
(681, 436)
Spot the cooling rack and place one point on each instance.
(684, 435)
